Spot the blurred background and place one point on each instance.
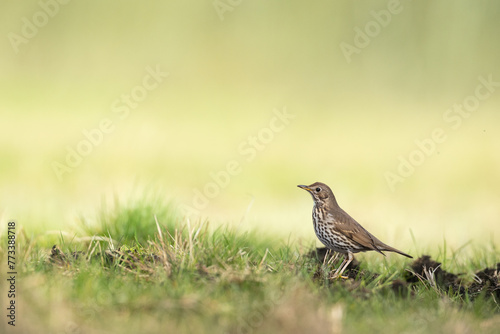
(223, 107)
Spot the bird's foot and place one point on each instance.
(337, 276)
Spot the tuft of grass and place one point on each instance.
(132, 221)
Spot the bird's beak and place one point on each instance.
(304, 187)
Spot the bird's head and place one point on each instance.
(320, 192)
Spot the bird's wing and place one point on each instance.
(349, 227)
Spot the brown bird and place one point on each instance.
(338, 231)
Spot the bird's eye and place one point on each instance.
(318, 189)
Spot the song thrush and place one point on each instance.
(338, 231)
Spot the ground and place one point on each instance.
(183, 277)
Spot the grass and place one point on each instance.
(165, 274)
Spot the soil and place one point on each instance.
(424, 270)
(130, 259)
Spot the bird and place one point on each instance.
(338, 231)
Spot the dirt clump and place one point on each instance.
(130, 259)
(401, 288)
(426, 269)
(322, 255)
(423, 270)
(487, 281)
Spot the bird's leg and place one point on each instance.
(335, 274)
(331, 259)
(348, 259)
(327, 258)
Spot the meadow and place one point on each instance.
(139, 268)
(158, 147)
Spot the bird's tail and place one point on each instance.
(380, 247)
(392, 249)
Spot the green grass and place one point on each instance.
(221, 280)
